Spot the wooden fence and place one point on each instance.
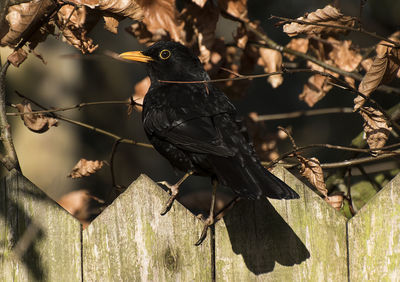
(301, 240)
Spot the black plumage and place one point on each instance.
(194, 125)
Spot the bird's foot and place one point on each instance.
(173, 191)
(207, 223)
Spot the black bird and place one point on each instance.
(194, 126)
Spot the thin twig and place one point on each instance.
(88, 126)
(383, 151)
(359, 161)
(10, 160)
(273, 45)
(349, 28)
(115, 187)
(304, 113)
(78, 106)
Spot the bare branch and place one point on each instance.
(385, 153)
(10, 160)
(304, 113)
(359, 29)
(78, 106)
(88, 126)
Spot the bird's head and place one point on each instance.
(167, 60)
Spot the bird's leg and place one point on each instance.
(210, 220)
(173, 191)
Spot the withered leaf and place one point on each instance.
(271, 60)
(20, 17)
(375, 127)
(344, 57)
(161, 16)
(111, 22)
(75, 24)
(328, 15)
(297, 44)
(201, 3)
(17, 57)
(384, 47)
(204, 22)
(311, 169)
(85, 168)
(131, 9)
(383, 69)
(336, 201)
(315, 89)
(35, 122)
(140, 91)
(235, 8)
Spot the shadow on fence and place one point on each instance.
(295, 240)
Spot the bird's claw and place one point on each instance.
(209, 222)
(173, 191)
(168, 205)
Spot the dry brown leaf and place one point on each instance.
(20, 17)
(131, 9)
(16, 58)
(315, 89)
(85, 168)
(161, 16)
(375, 127)
(336, 201)
(367, 63)
(201, 3)
(235, 8)
(203, 21)
(35, 122)
(297, 44)
(143, 35)
(75, 24)
(344, 57)
(383, 69)
(271, 60)
(241, 36)
(111, 23)
(140, 91)
(89, 3)
(311, 169)
(328, 15)
(384, 47)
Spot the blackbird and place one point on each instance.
(193, 124)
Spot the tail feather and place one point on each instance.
(250, 179)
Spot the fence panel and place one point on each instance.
(295, 240)
(131, 241)
(40, 240)
(374, 237)
(282, 240)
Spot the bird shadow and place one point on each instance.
(263, 238)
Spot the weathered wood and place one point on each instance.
(294, 240)
(39, 240)
(131, 241)
(374, 237)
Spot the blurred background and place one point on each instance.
(70, 78)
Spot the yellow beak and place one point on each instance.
(136, 56)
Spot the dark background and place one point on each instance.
(67, 80)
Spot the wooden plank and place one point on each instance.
(374, 237)
(131, 241)
(292, 240)
(39, 240)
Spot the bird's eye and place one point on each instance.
(165, 54)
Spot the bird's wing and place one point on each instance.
(193, 133)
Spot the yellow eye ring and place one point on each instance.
(165, 54)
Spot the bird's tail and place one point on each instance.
(248, 178)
